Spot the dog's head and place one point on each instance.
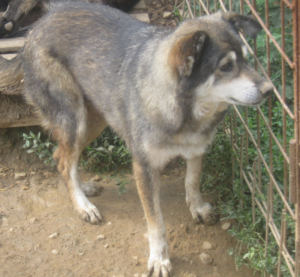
(208, 59)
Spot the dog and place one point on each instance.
(21, 14)
(163, 90)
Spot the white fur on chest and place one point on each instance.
(192, 146)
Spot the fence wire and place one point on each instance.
(265, 139)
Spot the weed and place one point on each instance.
(42, 148)
(106, 153)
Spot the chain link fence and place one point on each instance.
(265, 139)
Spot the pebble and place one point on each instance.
(47, 174)
(185, 259)
(140, 5)
(226, 226)
(32, 220)
(54, 235)
(20, 175)
(144, 275)
(144, 17)
(109, 223)
(205, 258)
(4, 221)
(96, 178)
(106, 246)
(55, 252)
(207, 245)
(100, 237)
(167, 14)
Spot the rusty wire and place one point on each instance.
(291, 179)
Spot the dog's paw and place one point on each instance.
(159, 268)
(203, 214)
(87, 211)
(91, 189)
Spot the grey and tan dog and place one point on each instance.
(164, 91)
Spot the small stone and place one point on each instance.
(144, 275)
(205, 258)
(4, 222)
(96, 178)
(144, 17)
(100, 237)
(185, 259)
(24, 188)
(136, 275)
(109, 223)
(140, 5)
(207, 245)
(106, 246)
(80, 253)
(191, 262)
(167, 14)
(226, 226)
(136, 261)
(55, 252)
(54, 235)
(32, 220)
(20, 176)
(47, 174)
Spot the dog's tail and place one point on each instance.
(11, 71)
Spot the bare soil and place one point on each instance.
(39, 206)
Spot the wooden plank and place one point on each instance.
(14, 112)
(11, 44)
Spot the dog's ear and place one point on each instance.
(185, 52)
(248, 24)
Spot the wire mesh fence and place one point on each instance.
(265, 139)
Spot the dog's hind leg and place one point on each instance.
(95, 126)
(67, 156)
(201, 211)
(148, 184)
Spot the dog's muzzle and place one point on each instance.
(266, 89)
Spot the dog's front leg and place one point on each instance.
(201, 211)
(148, 184)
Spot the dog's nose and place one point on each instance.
(267, 93)
(266, 89)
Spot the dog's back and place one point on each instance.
(91, 52)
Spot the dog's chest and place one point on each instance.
(188, 146)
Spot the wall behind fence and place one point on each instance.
(265, 139)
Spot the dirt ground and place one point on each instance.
(41, 235)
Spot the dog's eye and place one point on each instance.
(226, 67)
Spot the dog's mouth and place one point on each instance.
(237, 102)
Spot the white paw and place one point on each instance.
(87, 211)
(159, 268)
(203, 213)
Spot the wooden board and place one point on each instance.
(11, 44)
